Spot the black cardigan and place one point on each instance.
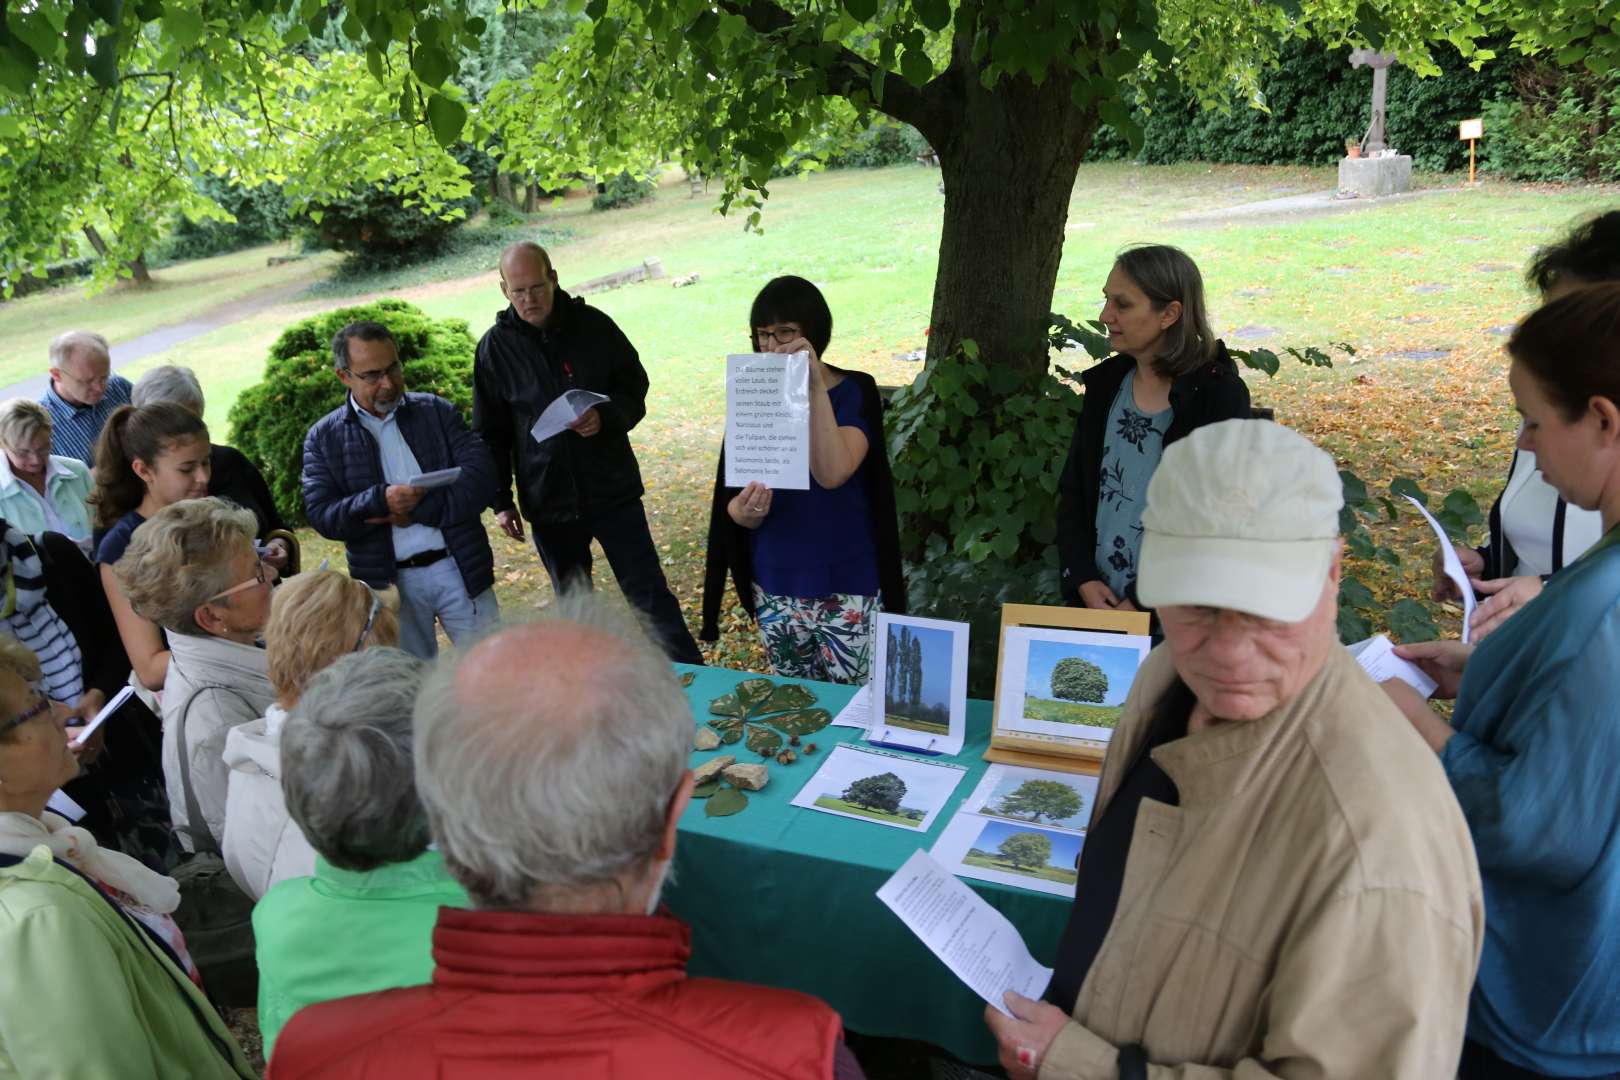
(1210, 393)
(728, 541)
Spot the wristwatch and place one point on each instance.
(1132, 1062)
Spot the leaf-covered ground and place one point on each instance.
(1425, 289)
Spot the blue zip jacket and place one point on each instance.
(344, 485)
(1535, 764)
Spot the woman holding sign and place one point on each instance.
(812, 567)
(1168, 377)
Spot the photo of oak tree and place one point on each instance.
(876, 797)
(1028, 850)
(917, 679)
(1072, 683)
(1036, 799)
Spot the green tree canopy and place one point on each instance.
(881, 792)
(1026, 849)
(1035, 799)
(1075, 679)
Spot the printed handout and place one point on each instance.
(568, 407)
(1377, 658)
(1453, 566)
(888, 789)
(857, 713)
(437, 479)
(972, 938)
(117, 702)
(1065, 683)
(919, 673)
(768, 420)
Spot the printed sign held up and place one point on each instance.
(768, 420)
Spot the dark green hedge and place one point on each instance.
(270, 419)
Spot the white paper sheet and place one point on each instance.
(937, 660)
(568, 407)
(972, 938)
(928, 785)
(768, 420)
(1030, 656)
(971, 846)
(437, 479)
(1453, 566)
(1377, 658)
(858, 712)
(100, 718)
(60, 803)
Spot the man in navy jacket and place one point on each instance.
(359, 460)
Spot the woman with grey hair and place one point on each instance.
(1168, 377)
(40, 491)
(364, 922)
(230, 474)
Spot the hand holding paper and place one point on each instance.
(101, 717)
(562, 413)
(1453, 566)
(437, 479)
(1377, 658)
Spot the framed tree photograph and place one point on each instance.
(919, 684)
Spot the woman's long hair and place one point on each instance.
(131, 435)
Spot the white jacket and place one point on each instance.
(263, 845)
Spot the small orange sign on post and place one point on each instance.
(1471, 130)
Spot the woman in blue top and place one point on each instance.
(1533, 743)
(813, 566)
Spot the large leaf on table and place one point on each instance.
(801, 722)
(788, 696)
(753, 693)
(727, 705)
(731, 735)
(725, 802)
(725, 723)
(703, 791)
(687, 678)
(762, 740)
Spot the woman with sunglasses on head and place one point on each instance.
(812, 567)
(98, 980)
(315, 618)
(193, 570)
(146, 459)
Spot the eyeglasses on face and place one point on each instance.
(372, 378)
(779, 335)
(528, 293)
(15, 722)
(371, 620)
(258, 578)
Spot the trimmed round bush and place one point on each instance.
(270, 419)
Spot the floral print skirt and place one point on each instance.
(828, 638)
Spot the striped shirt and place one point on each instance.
(74, 427)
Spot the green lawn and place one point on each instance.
(991, 861)
(1440, 272)
(1070, 712)
(916, 725)
(830, 803)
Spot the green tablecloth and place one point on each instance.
(786, 896)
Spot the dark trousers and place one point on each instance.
(1479, 1063)
(628, 545)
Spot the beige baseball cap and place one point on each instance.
(1244, 515)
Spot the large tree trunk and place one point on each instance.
(137, 268)
(1009, 161)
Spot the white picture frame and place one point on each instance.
(919, 700)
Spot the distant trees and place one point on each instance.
(1035, 799)
(1026, 849)
(1074, 679)
(881, 792)
(903, 672)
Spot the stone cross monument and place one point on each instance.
(1378, 171)
(1373, 141)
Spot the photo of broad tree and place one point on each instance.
(1077, 684)
(917, 679)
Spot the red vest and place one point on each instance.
(561, 996)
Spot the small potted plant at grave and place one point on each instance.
(1352, 147)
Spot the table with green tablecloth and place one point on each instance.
(786, 896)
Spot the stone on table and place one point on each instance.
(706, 738)
(712, 768)
(751, 777)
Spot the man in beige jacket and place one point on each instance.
(1276, 882)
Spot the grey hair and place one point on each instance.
(365, 330)
(180, 557)
(346, 769)
(19, 419)
(62, 347)
(568, 794)
(169, 382)
(1165, 274)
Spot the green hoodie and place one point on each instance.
(87, 993)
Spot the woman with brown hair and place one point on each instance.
(1168, 376)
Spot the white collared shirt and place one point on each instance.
(399, 465)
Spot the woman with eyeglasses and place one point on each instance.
(146, 459)
(812, 567)
(40, 491)
(98, 980)
(315, 618)
(193, 570)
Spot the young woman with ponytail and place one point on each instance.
(146, 458)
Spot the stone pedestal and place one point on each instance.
(1374, 177)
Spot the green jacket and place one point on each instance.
(342, 933)
(86, 993)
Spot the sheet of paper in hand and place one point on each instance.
(437, 479)
(1377, 658)
(568, 407)
(1453, 565)
(117, 702)
(768, 420)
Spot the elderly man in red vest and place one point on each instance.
(552, 760)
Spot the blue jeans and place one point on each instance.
(436, 593)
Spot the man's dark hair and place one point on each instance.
(1589, 254)
(365, 330)
(792, 299)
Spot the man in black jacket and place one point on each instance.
(582, 483)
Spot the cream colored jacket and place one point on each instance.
(1311, 910)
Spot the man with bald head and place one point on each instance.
(552, 761)
(583, 483)
(83, 392)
